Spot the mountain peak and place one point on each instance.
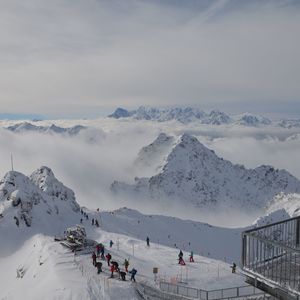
(193, 174)
(34, 199)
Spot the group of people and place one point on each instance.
(181, 260)
(100, 250)
(113, 265)
(95, 222)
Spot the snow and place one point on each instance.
(33, 266)
(251, 120)
(51, 129)
(183, 115)
(195, 175)
(187, 115)
(281, 207)
(49, 271)
(45, 207)
(48, 208)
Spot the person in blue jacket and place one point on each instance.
(133, 273)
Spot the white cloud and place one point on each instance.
(90, 168)
(77, 57)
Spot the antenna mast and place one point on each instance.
(12, 162)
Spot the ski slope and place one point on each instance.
(44, 269)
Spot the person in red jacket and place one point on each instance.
(108, 258)
(112, 269)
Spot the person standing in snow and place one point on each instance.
(99, 267)
(111, 243)
(102, 252)
(233, 267)
(133, 273)
(112, 269)
(108, 258)
(98, 249)
(180, 258)
(123, 275)
(148, 241)
(92, 222)
(192, 257)
(94, 257)
(96, 223)
(126, 265)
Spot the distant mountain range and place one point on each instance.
(28, 127)
(187, 172)
(187, 114)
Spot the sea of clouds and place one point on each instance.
(90, 161)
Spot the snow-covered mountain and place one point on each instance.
(194, 175)
(28, 127)
(216, 117)
(150, 158)
(120, 113)
(35, 200)
(251, 120)
(289, 123)
(186, 115)
(183, 115)
(281, 207)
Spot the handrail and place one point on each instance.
(271, 254)
(237, 291)
(270, 225)
(271, 242)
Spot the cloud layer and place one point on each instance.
(90, 162)
(66, 58)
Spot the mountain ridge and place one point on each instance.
(194, 175)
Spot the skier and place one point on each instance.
(126, 265)
(180, 258)
(111, 243)
(180, 255)
(99, 267)
(116, 265)
(17, 221)
(133, 273)
(102, 252)
(98, 248)
(123, 275)
(192, 257)
(108, 258)
(80, 221)
(92, 222)
(148, 241)
(94, 257)
(233, 267)
(181, 261)
(112, 269)
(96, 223)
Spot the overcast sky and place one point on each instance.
(64, 58)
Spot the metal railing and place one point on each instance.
(272, 253)
(240, 292)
